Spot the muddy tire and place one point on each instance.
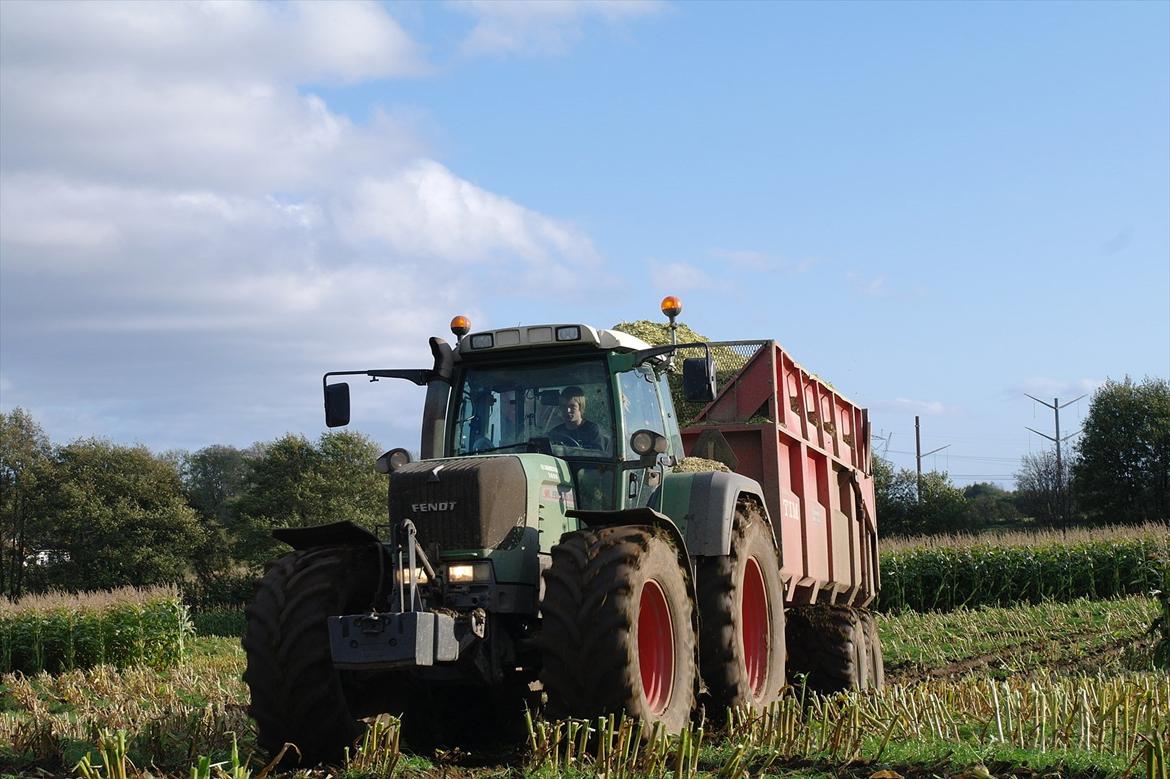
(617, 633)
(827, 644)
(297, 695)
(873, 644)
(741, 610)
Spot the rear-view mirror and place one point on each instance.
(337, 404)
(699, 379)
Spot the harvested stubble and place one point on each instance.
(940, 578)
(1020, 639)
(62, 631)
(170, 716)
(1118, 722)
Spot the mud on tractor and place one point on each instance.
(544, 551)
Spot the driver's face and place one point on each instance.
(573, 413)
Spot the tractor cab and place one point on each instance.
(572, 392)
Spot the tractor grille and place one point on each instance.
(469, 503)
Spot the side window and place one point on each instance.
(640, 406)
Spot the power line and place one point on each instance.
(1056, 406)
(919, 455)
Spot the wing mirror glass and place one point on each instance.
(337, 404)
(699, 379)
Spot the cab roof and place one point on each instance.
(544, 336)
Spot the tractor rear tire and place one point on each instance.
(618, 632)
(827, 644)
(873, 644)
(741, 610)
(298, 696)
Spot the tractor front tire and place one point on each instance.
(298, 696)
(617, 633)
(741, 608)
(827, 644)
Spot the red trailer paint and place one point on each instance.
(809, 448)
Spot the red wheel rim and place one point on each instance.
(655, 647)
(755, 627)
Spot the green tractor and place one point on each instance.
(542, 552)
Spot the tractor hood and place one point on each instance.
(483, 503)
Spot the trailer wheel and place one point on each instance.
(617, 629)
(741, 608)
(827, 644)
(297, 695)
(873, 645)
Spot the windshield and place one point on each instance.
(563, 408)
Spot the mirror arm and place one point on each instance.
(642, 355)
(419, 376)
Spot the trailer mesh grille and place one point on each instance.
(729, 357)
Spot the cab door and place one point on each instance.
(640, 407)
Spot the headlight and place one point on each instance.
(401, 577)
(466, 573)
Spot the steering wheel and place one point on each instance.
(561, 437)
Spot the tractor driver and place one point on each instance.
(576, 430)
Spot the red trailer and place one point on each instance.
(809, 448)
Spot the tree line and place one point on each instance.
(92, 514)
(1117, 472)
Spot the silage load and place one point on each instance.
(66, 631)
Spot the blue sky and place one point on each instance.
(936, 206)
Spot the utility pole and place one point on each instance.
(1056, 406)
(918, 455)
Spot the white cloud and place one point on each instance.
(1045, 388)
(680, 277)
(873, 286)
(544, 27)
(425, 210)
(191, 239)
(915, 406)
(224, 41)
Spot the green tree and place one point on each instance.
(990, 504)
(213, 480)
(115, 515)
(941, 508)
(294, 483)
(1123, 470)
(25, 469)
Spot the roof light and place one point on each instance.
(460, 326)
(569, 333)
(481, 341)
(671, 306)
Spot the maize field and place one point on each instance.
(67, 631)
(971, 574)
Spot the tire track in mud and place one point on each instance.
(1037, 654)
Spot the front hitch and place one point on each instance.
(402, 639)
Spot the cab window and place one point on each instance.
(513, 408)
(640, 406)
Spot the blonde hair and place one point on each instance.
(574, 393)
